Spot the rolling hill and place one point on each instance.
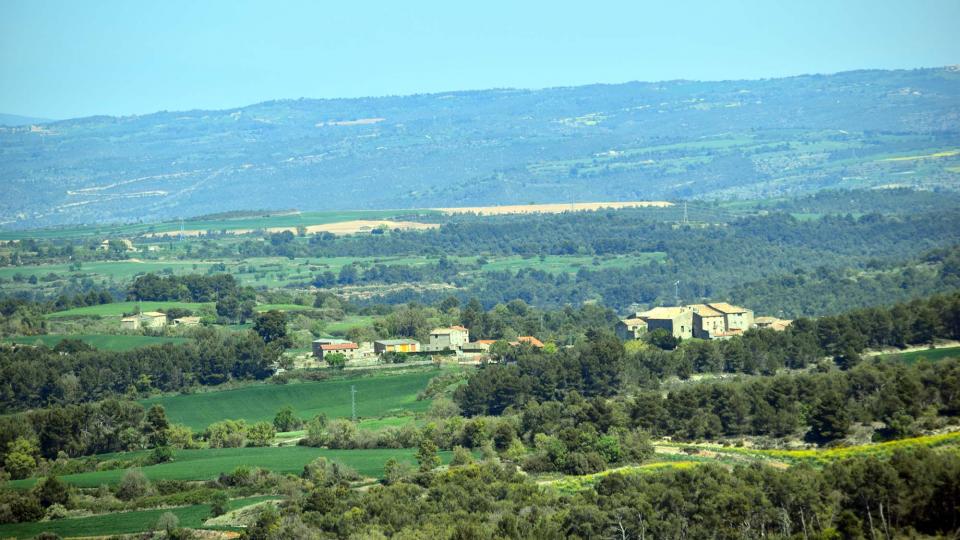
(633, 141)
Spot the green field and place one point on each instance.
(377, 396)
(292, 219)
(119, 308)
(120, 523)
(116, 270)
(100, 341)
(281, 307)
(930, 354)
(340, 328)
(208, 463)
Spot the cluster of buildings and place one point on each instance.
(450, 340)
(155, 319)
(718, 320)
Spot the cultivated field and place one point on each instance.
(191, 516)
(119, 308)
(928, 354)
(377, 396)
(104, 342)
(340, 227)
(250, 223)
(208, 463)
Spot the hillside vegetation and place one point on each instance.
(633, 141)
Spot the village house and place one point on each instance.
(529, 340)
(677, 320)
(147, 319)
(452, 338)
(708, 323)
(735, 317)
(349, 349)
(631, 328)
(772, 323)
(717, 320)
(396, 345)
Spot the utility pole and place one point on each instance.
(181, 229)
(684, 212)
(353, 402)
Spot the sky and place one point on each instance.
(63, 59)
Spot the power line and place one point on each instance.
(353, 402)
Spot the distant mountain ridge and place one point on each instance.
(632, 141)
(18, 120)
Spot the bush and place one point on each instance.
(161, 454)
(580, 463)
(20, 508)
(52, 490)
(341, 433)
(286, 420)
(133, 485)
(261, 434)
(57, 511)
(219, 504)
(461, 456)
(168, 522)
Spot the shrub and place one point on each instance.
(134, 484)
(168, 522)
(461, 456)
(52, 490)
(219, 504)
(261, 434)
(161, 454)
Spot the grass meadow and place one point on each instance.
(191, 516)
(208, 463)
(104, 342)
(377, 396)
(117, 309)
(930, 354)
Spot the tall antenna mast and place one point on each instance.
(676, 291)
(181, 229)
(684, 212)
(353, 403)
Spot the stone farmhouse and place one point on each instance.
(147, 319)
(452, 338)
(349, 349)
(717, 320)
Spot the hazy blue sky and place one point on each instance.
(69, 58)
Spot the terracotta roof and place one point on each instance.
(448, 330)
(781, 324)
(724, 307)
(765, 320)
(485, 341)
(153, 314)
(531, 340)
(705, 311)
(633, 322)
(661, 313)
(338, 346)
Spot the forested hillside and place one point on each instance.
(666, 140)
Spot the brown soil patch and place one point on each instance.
(343, 227)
